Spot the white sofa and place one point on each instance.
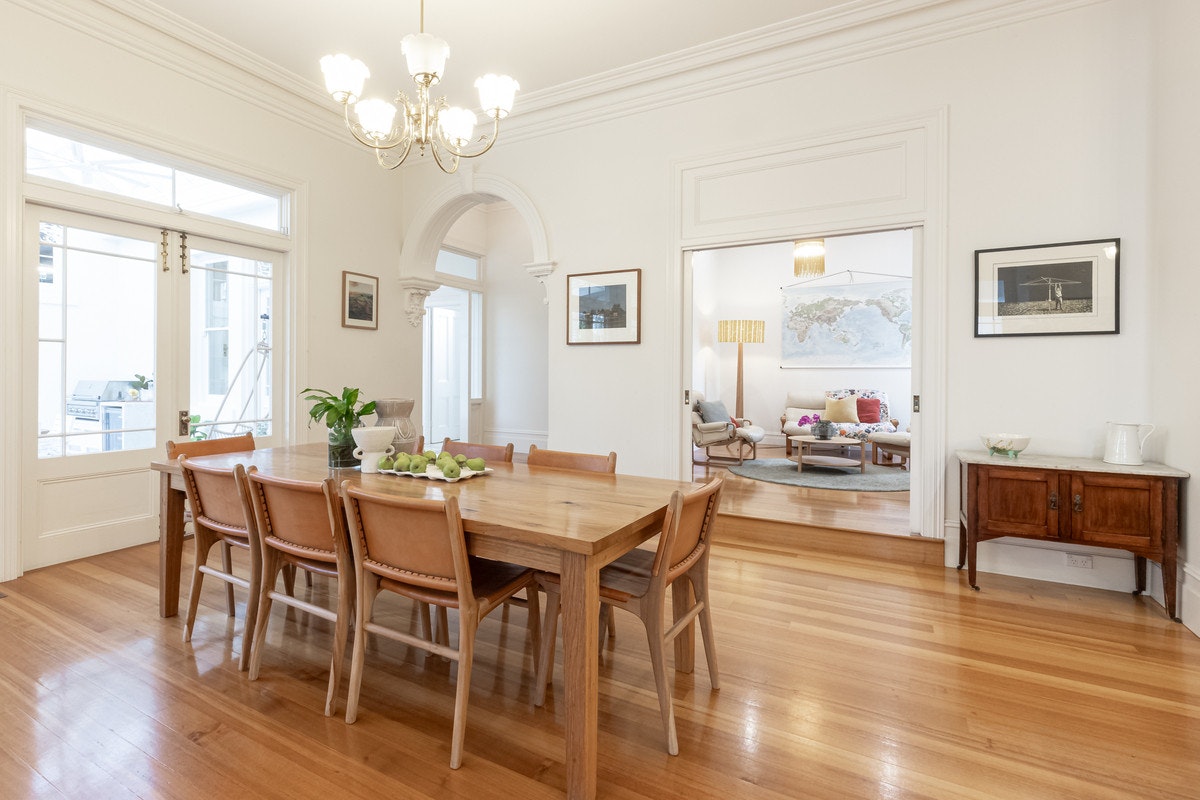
(807, 403)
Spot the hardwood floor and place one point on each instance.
(871, 512)
(841, 677)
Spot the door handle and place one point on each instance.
(1077, 506)
(1054, 501)
(185, 421)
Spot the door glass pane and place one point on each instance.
(96, 322)
(230, 345)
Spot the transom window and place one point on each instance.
(84, 161)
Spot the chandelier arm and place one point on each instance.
(433, 146)
(381, 156)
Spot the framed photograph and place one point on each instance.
(605, 307)
(1048, 289)
(360, 301)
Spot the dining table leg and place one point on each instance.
(170, 545)
(580, 631)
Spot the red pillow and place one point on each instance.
(868, 409)
(735, 422)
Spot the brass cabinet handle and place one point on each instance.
(1078, 504)
(1054, 501)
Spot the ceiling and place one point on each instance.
(541, 43)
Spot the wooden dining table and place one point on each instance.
(563, 521)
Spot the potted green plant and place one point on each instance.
(341, 414)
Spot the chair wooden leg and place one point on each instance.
(252, 598)
(203, 543)
(466, 655)
(341, 630)
(700, 586)
(366, 601)
(658, 663)
(534, 622)
(227, 566)
(289, 579)
(545, 663)
(272, 564)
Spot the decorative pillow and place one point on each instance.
(843, 409)
(868, 409)
(793, 414)
(734, 422)
(713, 411)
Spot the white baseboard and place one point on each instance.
(521, 438)
(1111, 569)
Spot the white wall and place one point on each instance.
(1048, 142)
(1175, 173)
(745, 283)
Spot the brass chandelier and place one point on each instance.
(446, 131)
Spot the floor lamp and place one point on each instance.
(740, 331)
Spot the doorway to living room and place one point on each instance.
(844, 328)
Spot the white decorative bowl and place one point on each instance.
(1004, 444)
(373, 439)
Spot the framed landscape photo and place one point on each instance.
(360, 301)
(605, 307)
(1048, 289)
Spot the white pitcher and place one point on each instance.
(1125, 440)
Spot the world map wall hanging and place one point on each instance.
(851, 324)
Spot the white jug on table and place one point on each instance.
(1125, 440)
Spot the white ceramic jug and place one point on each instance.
(1125, 440)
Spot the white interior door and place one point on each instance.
(447, 361)
(128, 326)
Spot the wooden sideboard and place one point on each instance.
(1077, 500)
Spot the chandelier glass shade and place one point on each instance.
(393, 129)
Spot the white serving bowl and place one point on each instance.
(373, 439)
(1004, 444)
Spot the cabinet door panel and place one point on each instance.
(1118, 510)
(1019, 502)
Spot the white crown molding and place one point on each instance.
(850, 32)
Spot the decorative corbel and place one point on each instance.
(540, 270)
(415, 291)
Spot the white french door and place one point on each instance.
(134, 336)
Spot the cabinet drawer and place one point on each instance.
(1117, 510)
(1019, 502)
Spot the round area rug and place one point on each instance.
(781, 470)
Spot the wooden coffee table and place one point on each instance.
(816, 452)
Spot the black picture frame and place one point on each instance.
(1057, 289)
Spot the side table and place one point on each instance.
(815, 452)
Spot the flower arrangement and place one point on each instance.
(807, 420)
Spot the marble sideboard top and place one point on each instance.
(1041, 461)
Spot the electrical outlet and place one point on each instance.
(1081, 562)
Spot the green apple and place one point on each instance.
(386, 462)
(475, 464)
(402, 462)
(429, 455)
(450, 469)
(460, 459)
(418, 464)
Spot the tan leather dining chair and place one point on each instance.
(221, 513)
(562, 459)
(210, 447)
(638, 581)
(416, 548)
(301, 524)
(488, 452)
